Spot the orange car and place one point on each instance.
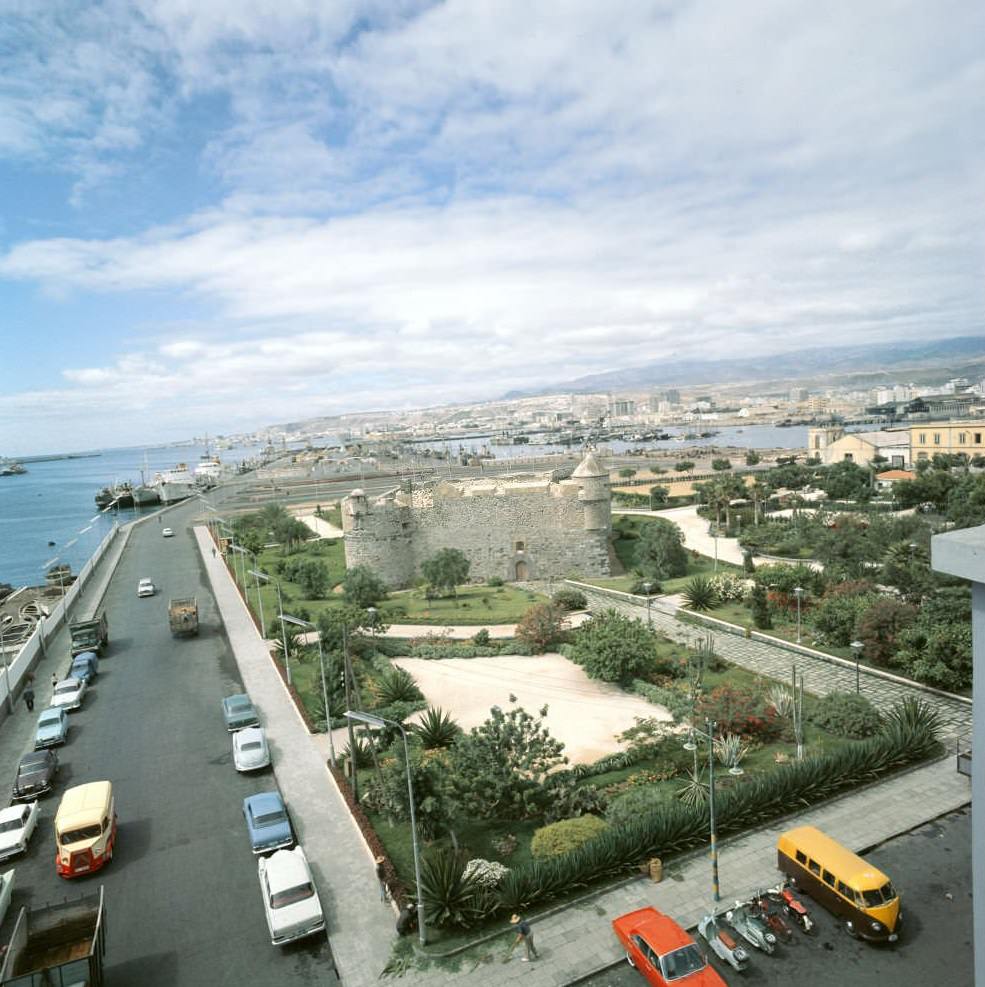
(662, 951)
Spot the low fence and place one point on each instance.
(35, 647)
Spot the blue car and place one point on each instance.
(52, 728)
(85, 666)
(239, 712)
(267, 822)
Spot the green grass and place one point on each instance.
(473, 605)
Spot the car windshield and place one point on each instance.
(80, 834)
(681, 962)
(66, 687)
(49, 719)
(252, 745)
(879, 896)
(32, 764)
(11, 825)
(239, 704)
(292, 895)
(270, 818)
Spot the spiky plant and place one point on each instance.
(694, 791)
(730, 749)
(450, 897)
(780, 699)
(436, 728)
(395, 685)
(699, 594)
(363, 756)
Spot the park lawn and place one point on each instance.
(479, 605)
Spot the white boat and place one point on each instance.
(208, 472)
(174, 485)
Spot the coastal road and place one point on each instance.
(183, 900)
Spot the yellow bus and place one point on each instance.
(842, 882)
(85, 829)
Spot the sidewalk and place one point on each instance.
(360, 928)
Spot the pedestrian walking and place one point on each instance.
(54, 680)
(29, 697)
(524, 935)
(213, 551)
(381, 878)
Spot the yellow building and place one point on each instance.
(928, 440)
(832, 444)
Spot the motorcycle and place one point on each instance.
(722, 944)
(751, 928)
(794, 908)
(766, 908)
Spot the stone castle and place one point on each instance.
(517, 527)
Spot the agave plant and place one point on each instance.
(436, 728)
(694, 791)
(394, 685)
(362, 758)
(449, 895)
(730, 749)
(780, 699)
(699, 594)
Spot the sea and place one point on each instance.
(48, 515)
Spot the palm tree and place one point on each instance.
(760, 492)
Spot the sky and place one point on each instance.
(218, 216)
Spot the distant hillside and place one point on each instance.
(814, 362)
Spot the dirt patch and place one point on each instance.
(584, 714)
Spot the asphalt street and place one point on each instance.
(932, 868)
(183, 899)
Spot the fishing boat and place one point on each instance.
(120, 494)
(9, 467)
(174, 485)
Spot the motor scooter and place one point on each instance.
(794, 908)
(768, 910)
(751, 927)
(722, 944)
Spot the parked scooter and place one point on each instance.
(767, 908)
(722, 944)
(751, 928)
(794, 908)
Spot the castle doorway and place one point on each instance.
(521, 571)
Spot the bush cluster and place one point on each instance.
(846, 714)
(562, 837)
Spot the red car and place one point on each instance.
(662, 951)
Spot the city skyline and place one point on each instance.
(226, 216)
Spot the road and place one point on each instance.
(927, 865)
(183, 900)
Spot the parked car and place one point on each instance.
(35, 775)
(290, 901)
(16, 826)
(85, 666)
(239, 712)
(250, 751)
(662, 951)
(145, 587)
(267, 822)
(68, 693)
(6, 890)
(167, 532)
(52, 728)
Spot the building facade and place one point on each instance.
(947, 437)
(517, 527)
(832, 444)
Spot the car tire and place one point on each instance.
(850, 929)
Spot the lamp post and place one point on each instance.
(257, 575)
(7, 619)
(240, 551)
(379, 721)
(324, 689)
(689, 745)
(715, 539)
(649, 618)
(798, 591)
(857, 647)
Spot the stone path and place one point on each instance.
(696, 534)
(821, 676)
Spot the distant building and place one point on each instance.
(622, 408)
(798, 394)
(834, 445)
(674, 397)
(947, 437)
(888, 479)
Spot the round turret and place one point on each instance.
(593, 480)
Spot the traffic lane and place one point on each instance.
(927, 865)
(191, 878)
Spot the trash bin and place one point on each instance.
(656, 868)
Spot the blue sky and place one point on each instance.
(216, 216)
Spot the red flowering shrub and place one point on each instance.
(740, 711)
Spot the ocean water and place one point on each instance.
(55, 502)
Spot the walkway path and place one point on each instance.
(696, 536)
(820, 675)
(321, 527)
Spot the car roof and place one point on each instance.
(238, 698)
(287, 869)
(250, 733)
(70, 680)
(13, 811)
(661, 932)
(264, 801)
(51, 713)
(32, 756)
(146, 579)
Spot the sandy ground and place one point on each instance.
(321, 528)
(585, 715)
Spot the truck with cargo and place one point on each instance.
(58, 944)
(183, 616)
(91, 634)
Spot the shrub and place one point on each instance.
(562, 837)
(494, 581)
(436, 729)
(567, 800)
(449, 897)
(836, 616)
(362, 587)
(481, 637)
(640, 587)
(540, 627)
(728, 587)
(939, 655)
(761, 615)
(615, 648)
(660, 552)
(570, 599)
(487, 874)
(699, 594)
(740, 711)
(635, 802)
(846, 714)
(395, 685)
(880, 626)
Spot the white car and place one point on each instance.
(290, 901)
(167, 532)
(16, 826)
(68, 693)
(6, 890)
(250, 751)
(145, 588)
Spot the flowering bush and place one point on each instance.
(740, 711)
(728, 587)
(486, 873)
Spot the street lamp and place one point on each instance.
(241, 552)
(324, 688)
(649, 618)
(857, 647)
(257, 575)
(379, 721)
(798, 591)
(690, 745)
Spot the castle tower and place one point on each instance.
(594, 493)
(818, 440)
